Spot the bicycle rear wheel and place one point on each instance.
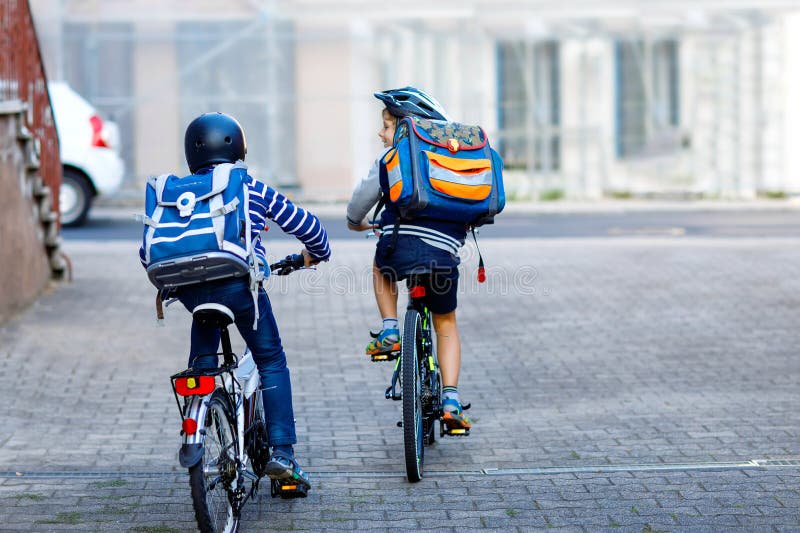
(213, 477)
(412, 404)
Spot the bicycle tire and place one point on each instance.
(210, 497)
(412, 404)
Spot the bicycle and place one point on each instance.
(417, 371)
(225, 440)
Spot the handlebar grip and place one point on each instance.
(296, 260)
(288, 264)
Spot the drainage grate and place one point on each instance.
(778, 462)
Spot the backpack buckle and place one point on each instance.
(186, 203)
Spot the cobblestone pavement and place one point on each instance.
(642, 384)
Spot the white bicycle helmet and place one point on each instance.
(410, 101)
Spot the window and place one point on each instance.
(529, 87)
(98, 65)
(243, 70)
(647, 101)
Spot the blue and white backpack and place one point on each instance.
(197, 229)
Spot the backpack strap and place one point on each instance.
(381, 203)
(481, 269)
(157, 183)
(393, 243)
(225, 209)
(220, 180)
(256, 272)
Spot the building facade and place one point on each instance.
(670, 98)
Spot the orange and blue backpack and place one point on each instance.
(442, 170)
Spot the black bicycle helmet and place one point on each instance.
(213, 138)
(410, 101)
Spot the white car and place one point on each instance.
(89, 153)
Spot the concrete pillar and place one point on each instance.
(587, 115)
(324, 139)
(791, 103)
(159, 136)
(365, 118)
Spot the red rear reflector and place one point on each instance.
(481, 274)
(97, 132)
(417, 292)
(194, 386)
(189, 426)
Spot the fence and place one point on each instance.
(22, 78)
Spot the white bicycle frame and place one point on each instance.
(245, 383)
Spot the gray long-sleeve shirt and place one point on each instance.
(444, 235)
(366, 195)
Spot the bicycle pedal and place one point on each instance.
(384, 356)
(288, 490)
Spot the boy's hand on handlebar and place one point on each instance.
(363, 226)
(308, 259)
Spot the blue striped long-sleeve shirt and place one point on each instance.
(267, 203)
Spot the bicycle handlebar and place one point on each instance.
(288, 264)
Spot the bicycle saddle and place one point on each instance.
(214, 315)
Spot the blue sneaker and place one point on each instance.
(453, 415)
(283, 468)
(386, 342)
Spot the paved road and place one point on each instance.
(619, 384)
(120, 224)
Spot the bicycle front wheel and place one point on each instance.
(411, 349)
(214, 476)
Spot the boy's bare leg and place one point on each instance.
(448, 347)
(385, 293)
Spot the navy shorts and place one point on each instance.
(412, 255)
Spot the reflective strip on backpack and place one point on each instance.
(393, 174)
(177, 224)
(190, 233)
(234, 249)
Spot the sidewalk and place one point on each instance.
(617, 385)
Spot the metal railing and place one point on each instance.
(22, 78)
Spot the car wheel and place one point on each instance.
(75, 198)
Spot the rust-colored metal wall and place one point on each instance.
(22, 77)
(30, 166)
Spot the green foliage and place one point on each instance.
(551, 195)
(62, 518)
(31, 496)
(112, 483)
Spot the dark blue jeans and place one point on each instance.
(264, 342)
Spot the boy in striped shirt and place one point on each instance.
(215, 138)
